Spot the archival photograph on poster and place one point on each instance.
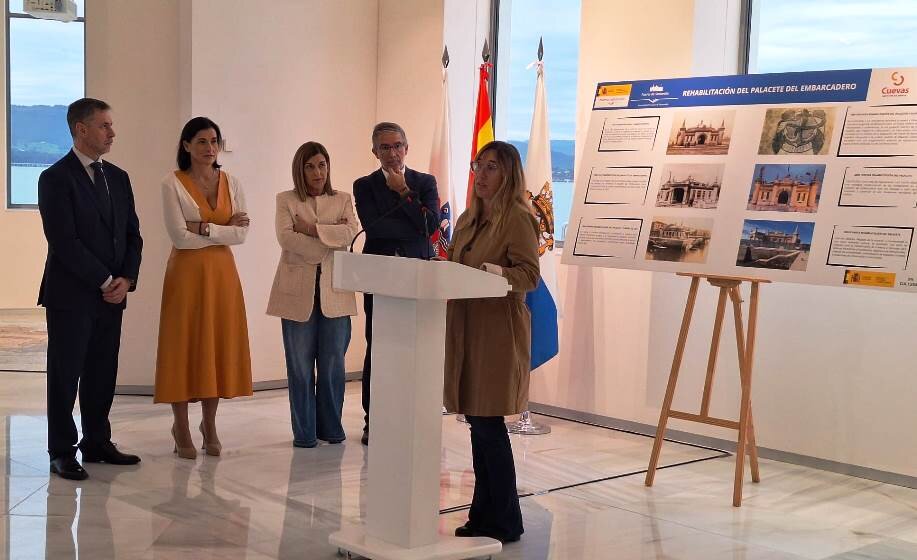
(775, 244)
(797, 131)
(888, 187)
(607, 237)
(705, 132)
(618, 185)
(690, 185)
(679, 239)
(871, 246)
(786, 188)
(629, 134)
(879, 131)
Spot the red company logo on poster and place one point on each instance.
(897, 80)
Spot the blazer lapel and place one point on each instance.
(83, 179)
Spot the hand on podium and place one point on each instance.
(492, 268)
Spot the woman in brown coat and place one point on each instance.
(488, 340)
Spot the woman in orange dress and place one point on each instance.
(203, 334)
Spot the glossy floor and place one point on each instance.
(265, 499)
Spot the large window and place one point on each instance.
(794, 35)
(558, 22)
(45, 73)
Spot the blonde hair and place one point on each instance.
(512, 192)
(306, 152)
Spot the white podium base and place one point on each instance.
(354, 539)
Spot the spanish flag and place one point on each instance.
(483, 125)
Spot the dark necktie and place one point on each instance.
(101, 185)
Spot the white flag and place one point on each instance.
(538, 181)
(440, 167)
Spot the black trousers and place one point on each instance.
(82, 359)
(367, 361)
(495, 505)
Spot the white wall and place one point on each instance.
(833, 375)
(466, 24)
(409, 80)
(143, 86)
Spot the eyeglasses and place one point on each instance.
(490, 167)
(397, 146)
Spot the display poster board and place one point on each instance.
(804, 177)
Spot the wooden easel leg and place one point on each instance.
(714, 352)
(752, 448)
(673, 380)
(745, 406)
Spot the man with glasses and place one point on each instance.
(399, 208)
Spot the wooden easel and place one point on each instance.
(729, 286)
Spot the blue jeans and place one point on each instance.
(316, 401)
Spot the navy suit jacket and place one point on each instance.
(406, 231)
(85, 244)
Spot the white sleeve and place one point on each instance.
(175, 220)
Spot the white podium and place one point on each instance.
(408, 354)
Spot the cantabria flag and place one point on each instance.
(542, 301)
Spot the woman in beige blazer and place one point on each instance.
(488, 340)
(313, 221)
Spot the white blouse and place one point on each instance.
(179, 207)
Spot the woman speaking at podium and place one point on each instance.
(488, 339)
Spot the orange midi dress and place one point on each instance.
(203, 333)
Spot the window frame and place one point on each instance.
(10, 205)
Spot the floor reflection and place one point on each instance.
(309, 519)
(200, 517)
(264, 499)
(74, 527)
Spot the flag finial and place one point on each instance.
(445, 57)
(540, 49)
(485, 52)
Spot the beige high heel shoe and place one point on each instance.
(183, 452)
(211, 448)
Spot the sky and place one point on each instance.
(558, 21)
(796, 35)
(43, 71)
(805, 229)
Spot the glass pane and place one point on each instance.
(558, 21)
(46, 75)
(16, 7)
(833, 35)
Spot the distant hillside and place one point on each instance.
(561, 157)
(39, 133)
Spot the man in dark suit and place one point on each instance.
(94, 244)
(399, 208)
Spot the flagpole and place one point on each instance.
(445, 61)
(524, 425)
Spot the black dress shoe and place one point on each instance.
(69, 468)
(107, 453)
(465, 531)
